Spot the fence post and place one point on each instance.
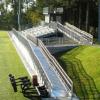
(37, 41)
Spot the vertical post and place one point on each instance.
(87, 17)
(80, 11)
(37, 41)
(27, 4)
(19, 15)
(99, 22)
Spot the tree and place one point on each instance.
(99, 23)
(33, 17)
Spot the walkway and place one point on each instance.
(58, 88)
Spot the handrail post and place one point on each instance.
(37, 41)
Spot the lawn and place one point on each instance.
(9, 63)
(82, 64)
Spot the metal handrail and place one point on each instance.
(54, 62)
(78, 30)
(84, 34)
(73, 34)
(67, 81)
(33, 39)
(77, 37)
(56, 41)
(65, 78)
(26, 43)
(39, 64)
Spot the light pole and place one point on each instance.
(0, 13)
(19, 15)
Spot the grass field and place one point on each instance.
(9, 63)
(82, 64)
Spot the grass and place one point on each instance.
(82, 64)
(9, 63)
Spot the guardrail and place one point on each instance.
(72, 34)
(84, 34)
(26, 43)
(65, 78)
(54, 41)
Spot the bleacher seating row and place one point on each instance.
(38, 31)
(84, 34)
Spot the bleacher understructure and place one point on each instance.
(31, 45)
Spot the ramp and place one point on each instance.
(58, 88)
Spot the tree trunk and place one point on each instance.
(99, 23)
(27, 4)
(80, 11)
(87, 17)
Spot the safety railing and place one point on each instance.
(26, 43)
(58, 41)
(84, 34)
(72, 34)
(54, 41)
(45, 78)
(65, 78)
(33, 39)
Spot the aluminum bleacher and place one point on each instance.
(84, 34)
(57, 82)
(39, 31)
(40, 60)
(75, 35)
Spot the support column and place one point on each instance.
(19, 15)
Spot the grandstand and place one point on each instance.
(39, 61)
(67, 34)
(48, 72)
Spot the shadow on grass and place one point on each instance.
(84, 85)
(31, 94)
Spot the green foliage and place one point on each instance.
(6, 21)
(33, 17)
(75, 12)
